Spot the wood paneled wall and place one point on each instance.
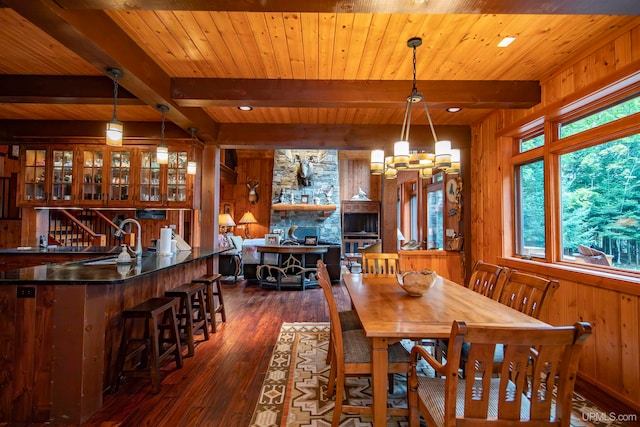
(612, 305)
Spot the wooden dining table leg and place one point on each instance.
(380, 349)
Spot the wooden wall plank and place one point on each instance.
(630, 348)
(7, 350)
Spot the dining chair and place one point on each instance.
(380, 264)
(486, 279)
(527, 293)
(352, 357)
(535, 386)
(349, 319)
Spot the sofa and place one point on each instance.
(251, 259)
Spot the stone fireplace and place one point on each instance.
(321, 188)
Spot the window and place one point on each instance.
(592, 201)
(435, 216)
(530, 240)
(600, 203)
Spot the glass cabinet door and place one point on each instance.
(62, 174)
(149, 178)
(120, 175)
(35, 174)
(177, 177)
(92, 171)
(435, 217)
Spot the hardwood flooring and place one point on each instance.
(219, 386)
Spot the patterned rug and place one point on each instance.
(293, 393)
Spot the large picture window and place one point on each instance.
(581, 181)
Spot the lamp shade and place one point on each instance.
(225, 220)
(192, 167)
(248, 218)
(377, 162)
(401, 154)
(443, 154)
(162, 154)
(114, 133)
(455, 162)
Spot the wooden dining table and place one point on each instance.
(388, 314)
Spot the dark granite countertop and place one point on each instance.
(35, 250)
(101, 270)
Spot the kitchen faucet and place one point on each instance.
(118, 233)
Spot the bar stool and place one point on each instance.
(191, 312)
(210, 282)
(160, 316)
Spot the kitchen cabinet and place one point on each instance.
(97, 175)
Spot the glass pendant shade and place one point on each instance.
(390, 172)
(401, 154)
(443, 154)
(377, 162)
(192, 167)
(455, 162)
(426, 173)
(162, 154)
(114, 133)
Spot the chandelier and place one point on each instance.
(403, 157)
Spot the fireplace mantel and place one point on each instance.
(283, 208)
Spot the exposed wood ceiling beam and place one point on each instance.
(199, 92)
(560, 7)
(62, 90)
(96, 38)
(341, 137)
(242, 136)
(13, 131)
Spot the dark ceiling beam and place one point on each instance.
(62, 90)
(559, 7)
(339, 137)
(93, 36)
(16, 130)
(204, 92)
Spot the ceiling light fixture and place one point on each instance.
(454, 109)
(403, 157)
(162, 151)
(114, 127)
(192, 165)
(245, 108)
(506, 41)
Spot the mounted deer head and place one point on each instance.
(253, 194)
(305, 166)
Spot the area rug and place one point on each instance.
(293, 393)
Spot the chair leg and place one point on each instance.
(152, 324)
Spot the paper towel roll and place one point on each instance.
(165, 242)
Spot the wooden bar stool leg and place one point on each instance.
(174, 333)
(202, 312)
(189, 325)
(152, 325)
(221, 310)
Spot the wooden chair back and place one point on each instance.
(536, 361)
(593, 256)
(380, 264)
(527, 293)
(487, 279)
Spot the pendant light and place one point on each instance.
(377, 162)
(114, 127)
(162, 151)
(192, 165)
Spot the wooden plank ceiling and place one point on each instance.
(312, 70)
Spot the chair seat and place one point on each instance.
(357, 349)
(349, 320)
(432, 392)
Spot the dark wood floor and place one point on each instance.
(219, 386)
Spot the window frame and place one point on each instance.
(548, 122)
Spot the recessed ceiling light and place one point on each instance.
(245, 108)
(506, 41)
(453, 109)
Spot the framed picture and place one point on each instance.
(14, 151)
(271, 239)
(311, 240)
(304, 199)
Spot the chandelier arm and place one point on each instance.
(406, 122)
(433, 130)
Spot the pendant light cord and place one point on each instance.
(115, 95)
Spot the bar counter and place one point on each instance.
(60, 327)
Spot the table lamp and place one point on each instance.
(225, 221)
(247, 219)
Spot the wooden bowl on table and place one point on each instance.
(416, 283)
